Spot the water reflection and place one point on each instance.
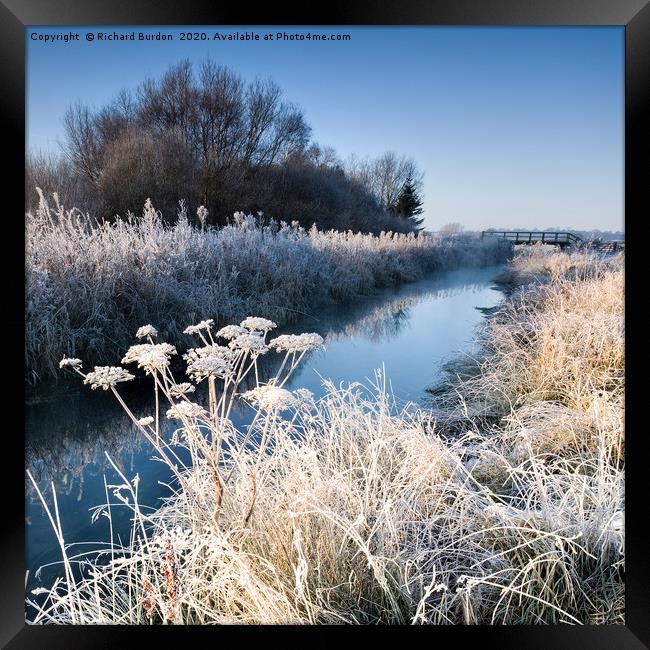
(70, 430)
(385, 322)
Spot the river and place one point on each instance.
(410, 330)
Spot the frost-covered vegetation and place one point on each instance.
(352, 509)
(541, 263)
(89, 284)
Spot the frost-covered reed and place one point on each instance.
(351, 509)
(89, 285)
(543, 262)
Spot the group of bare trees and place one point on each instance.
(386, 175)
(211, 138)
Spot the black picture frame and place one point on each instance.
(16, 15)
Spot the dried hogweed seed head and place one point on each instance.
(209, 351)
(188, 410)
(297, 342)
(303, 396)
(107, 376)
(256, 323)
(231, 331)
(179, 390)
(195, 329)
(146, 330)
(210, 366)
(70, 363)
(252, 343)
(270, 398)
(150, 356)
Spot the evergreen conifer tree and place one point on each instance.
(409, 205)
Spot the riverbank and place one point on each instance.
(89, 287)
(70, 428)
(353, 509)
(542, 263)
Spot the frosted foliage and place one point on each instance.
(90, 286)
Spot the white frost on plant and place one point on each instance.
(203, 325)
(297, 342)
(150, 356)
(186, 410)
(298, 267)
(180, 390)
(252, 343)
(107, 376)
(303, 396)
(40, 590)
(193, 354)
(270, 398)
(70, 363)
(146, 330)
(202, 214)
(230, 332)
(256, 323)
(211, 366)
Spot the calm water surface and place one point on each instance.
(70, 432)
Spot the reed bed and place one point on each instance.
(541, 263)
(89, 285)
(354, 509)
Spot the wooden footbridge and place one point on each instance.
(561, 239)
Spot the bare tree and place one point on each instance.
(83, 147)
(324, 156)
(169, 102)
(140, 165)
(227, 144)
(219, 124)
(386, 175)
(53, 173)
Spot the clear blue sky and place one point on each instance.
(513, 127)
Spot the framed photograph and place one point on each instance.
(324, 321)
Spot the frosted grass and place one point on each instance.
(89, 285)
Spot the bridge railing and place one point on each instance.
(533, 236)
